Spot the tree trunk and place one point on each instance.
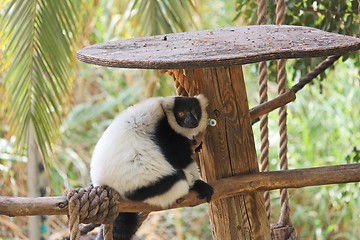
(35, 172)
(229, 150)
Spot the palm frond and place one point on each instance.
(38, 37)
(161, 16)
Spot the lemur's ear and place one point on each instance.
(204, 102)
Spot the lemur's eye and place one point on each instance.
(181, 114)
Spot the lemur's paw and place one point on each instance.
(204, 190)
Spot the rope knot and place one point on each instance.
(183, 85)
(91, 205)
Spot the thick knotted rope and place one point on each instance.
(183, 86)
(284, 195)
(92, 205)
(284, 228)
(261, 12)
(264, 130)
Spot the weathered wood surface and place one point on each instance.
(229, 150)
(33, 206)
(227, 187)
(218, 47)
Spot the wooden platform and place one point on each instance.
(219, 47)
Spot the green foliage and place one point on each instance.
(216, 14)
(38, 37)
(157, 17)
(333, 16)
(354, 156)
(10, 163)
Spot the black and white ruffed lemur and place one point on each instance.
(146, 154)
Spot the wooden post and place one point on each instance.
(229, 150)
(34, 157)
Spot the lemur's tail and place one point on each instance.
(124, 227)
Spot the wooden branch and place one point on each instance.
(33, 206)
(227, 187)
(271, 105)
(290, 95)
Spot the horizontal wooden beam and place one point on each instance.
(297, 178)
(271, 105)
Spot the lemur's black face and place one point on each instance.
(187, 111)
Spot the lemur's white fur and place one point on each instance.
(125, 151)
(179, 189)
(191, 173)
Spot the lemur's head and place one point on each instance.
(186, 115)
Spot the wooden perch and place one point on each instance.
(271, 105)
(290, 95)
(25, 206)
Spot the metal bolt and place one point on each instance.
(211, 122)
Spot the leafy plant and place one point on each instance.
(38, 37)
(333, 16)
(159, 17)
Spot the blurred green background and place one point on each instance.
(63, 105)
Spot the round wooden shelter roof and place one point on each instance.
(218, 47)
